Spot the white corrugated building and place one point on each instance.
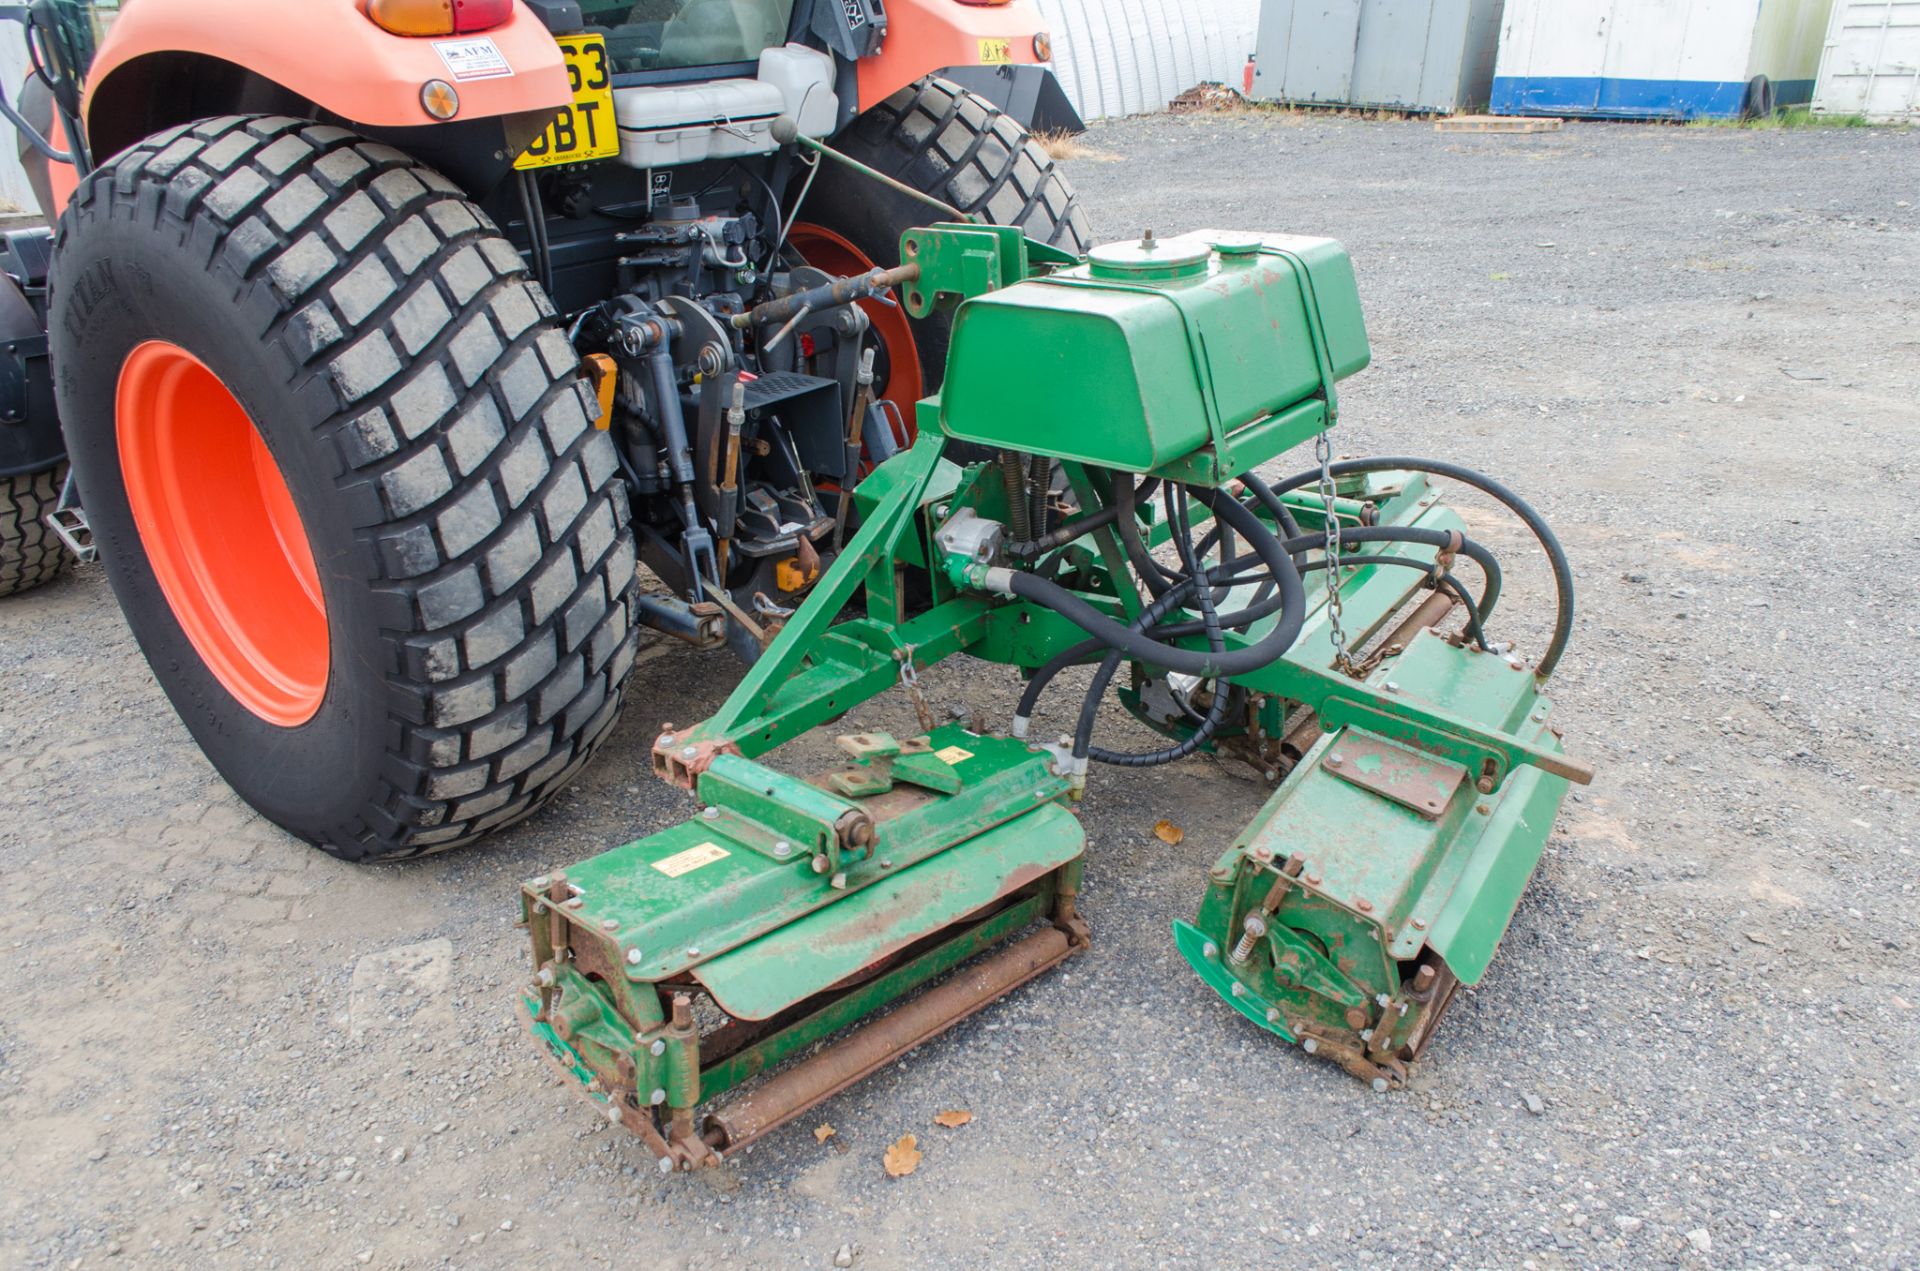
(1129, 57)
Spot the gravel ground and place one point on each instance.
(1698, 350)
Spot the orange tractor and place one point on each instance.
(386, 337)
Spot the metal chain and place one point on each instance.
(910, 680)
(1323, 451)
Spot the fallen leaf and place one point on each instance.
(823, 1132)
(953, 1117)
(903, 1157)
(1169, 833)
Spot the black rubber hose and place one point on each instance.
(1282, 514)
(1442, 578)
(1075, 654)
(1080, 526)
(1209, 665)
(1144, 565)
(1352, 535)
(1549, 543)
(1202, 587)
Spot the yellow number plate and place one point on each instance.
(586, 129)
(996, 52)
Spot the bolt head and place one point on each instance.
(658, 1097)
(711, 813)
(1336, 759)
(783, 849)
(634, 957)
(1380, 1085)
(1210, 950)
(666, 739)
(690, 752)
(1273, 1015)
(1419, 924)
(1310, 1045)
(1392, 687)
(820, 864)
(658, 1048)
(666, 1165)
(609, 924)
(1239, 989)
(886, 863)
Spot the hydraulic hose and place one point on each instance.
(1549, 543)
(1144, 565)
(1358, 535)
(1202, 587)
(1441, 578)
(1080, 526)
(1210, 664)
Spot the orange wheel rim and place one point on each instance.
(824, 249)
(222, 534)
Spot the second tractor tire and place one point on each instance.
(362, 363)
(955, 145)
(30, 555)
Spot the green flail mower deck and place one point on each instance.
(713, 980)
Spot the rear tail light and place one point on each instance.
(439, 17)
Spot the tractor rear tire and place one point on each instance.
(30, 555)
(960, 148)
(338, 460)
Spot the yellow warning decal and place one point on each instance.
(952, 754)
(996, 52)
(691, 859)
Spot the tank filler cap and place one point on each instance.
(1233, 244)
(1148, 257)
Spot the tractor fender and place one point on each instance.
(30, 439)
(927, 36)
(326, 54)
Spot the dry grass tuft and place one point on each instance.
(1061, 144)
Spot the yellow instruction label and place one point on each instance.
(996, 52)
(952, 754)
(691, 859)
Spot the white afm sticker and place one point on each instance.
(473, 59)
(691, 859)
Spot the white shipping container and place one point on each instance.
(1129, 57)
(1656, 59)
(1871, 64)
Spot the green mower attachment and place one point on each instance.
(713, 980)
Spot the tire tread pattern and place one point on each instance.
(492, 522)
(939, 138)
(30, 553)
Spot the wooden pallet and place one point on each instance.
(1496, 123)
